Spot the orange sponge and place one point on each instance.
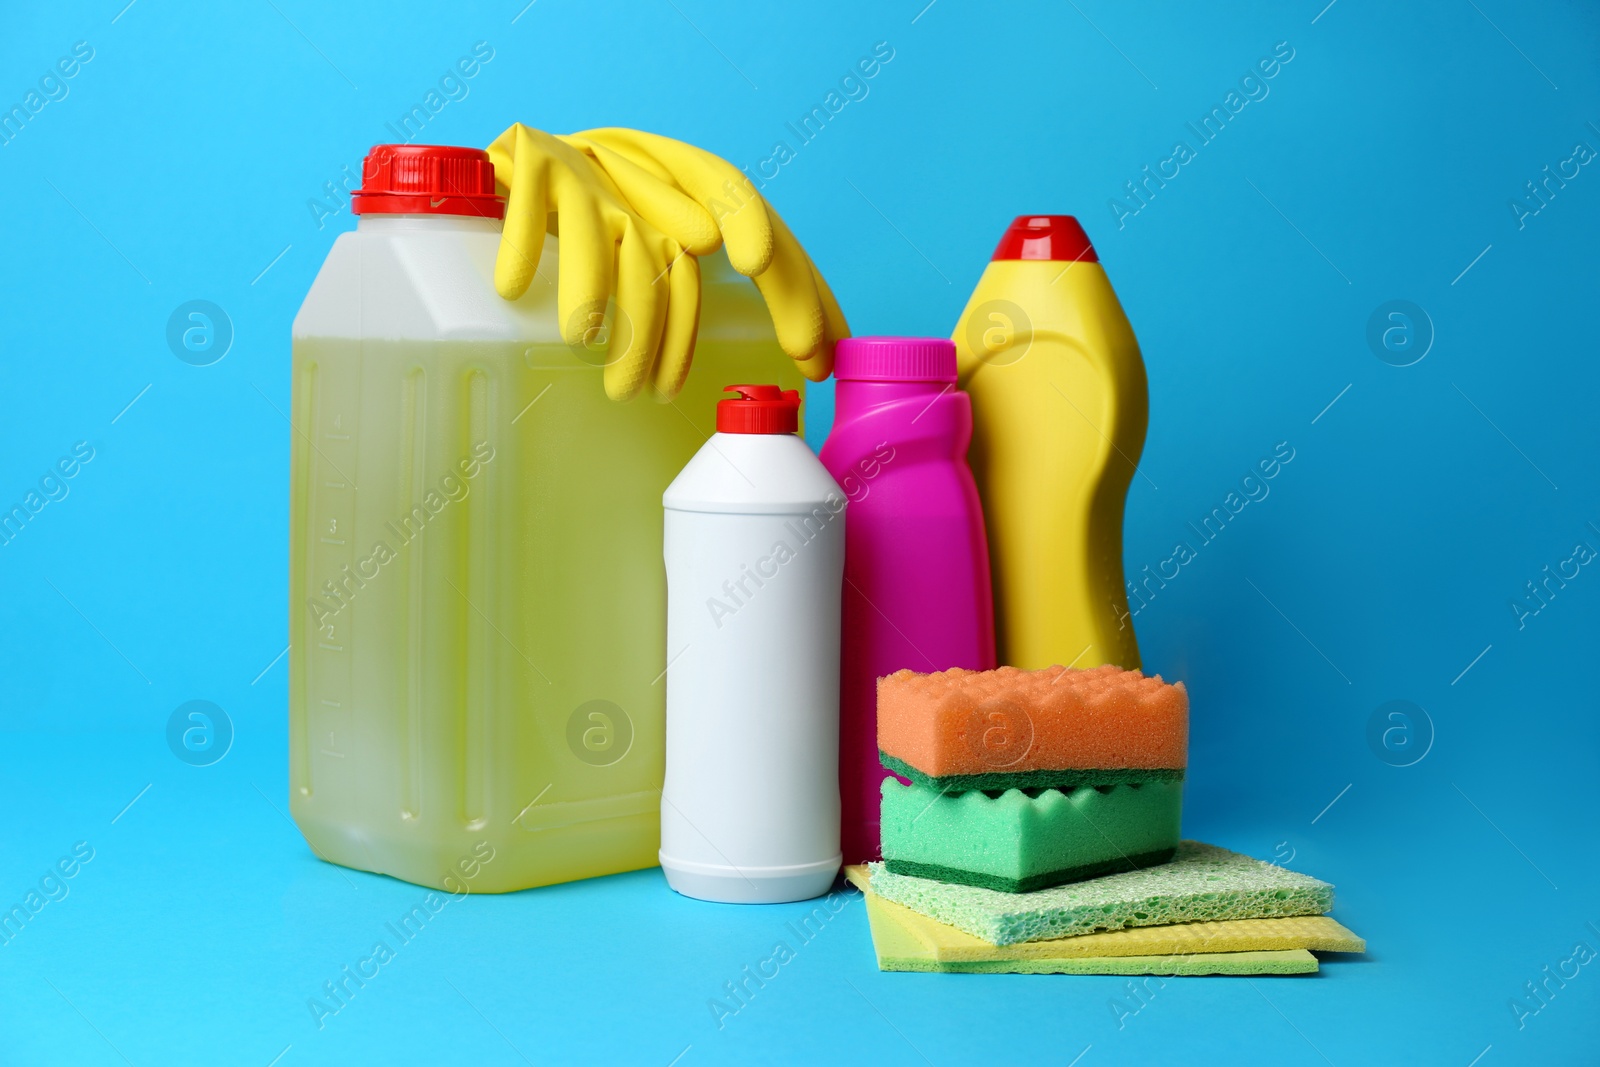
(1013, 728)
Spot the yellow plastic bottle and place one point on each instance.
(1059, 410)
(477, 596)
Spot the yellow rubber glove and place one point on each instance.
(804, 312)
(634, 247)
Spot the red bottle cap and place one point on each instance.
(1057, 237)
(759, 409)
(895, 359)
(426, 179)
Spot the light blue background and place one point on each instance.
(1380, 567)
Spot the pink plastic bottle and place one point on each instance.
(916, 566)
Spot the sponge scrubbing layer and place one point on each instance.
(1011, 721)
(999, 781)
(1018, 843)
(1202, 883)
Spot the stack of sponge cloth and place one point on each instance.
(1039, 833)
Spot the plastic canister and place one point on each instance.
(477, 611)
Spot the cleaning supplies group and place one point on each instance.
(918, 595)
(1038, 829)
(433, 710)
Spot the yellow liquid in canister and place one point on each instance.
(477, 609)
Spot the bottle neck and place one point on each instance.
(422, 223)
(852, 396)
(917, 421)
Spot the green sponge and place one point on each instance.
(1202, 883)
(1021, 841)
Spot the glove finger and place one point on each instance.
(660, 203)
(644, 259)
(586, 267)
(834, 329)
(502, 154)
(683, 325)
(526, 185)
(790, 289)
(717, 185)
(643, 160)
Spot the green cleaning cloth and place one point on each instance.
(1202, 883)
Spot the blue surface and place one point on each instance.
(1381, 565)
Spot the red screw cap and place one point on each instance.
(426, 179)
(759, 409)
(1057, 237)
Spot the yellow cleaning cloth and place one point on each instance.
(907, 941)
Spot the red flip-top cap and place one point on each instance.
(759, 409)
(1056, 237)
(427, 179)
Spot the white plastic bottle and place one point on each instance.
(755, 567)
